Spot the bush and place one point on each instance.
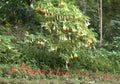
(92, 59)
(63, 29)
(116, 44)
(96, 60)
(8, 51)
(36, 50)
(15, 12)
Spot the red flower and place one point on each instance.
(63, 74)
(58, 71)
(43, 73)
(83, 73)
(9, 72)
(38, 71)
(14, 69)
(86, 73)
(75, 73)
(50, 71)
(31, 72)
(106, 76)
(29, 67)
(79, 73)
(67, 74)
(101, 77)
(23, 67)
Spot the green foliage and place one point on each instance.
(8, 52)
(66, 27)
(36, 49)
(113, 29)
(111, 19)
(114, 57)
(62, 30)
(90, 8)
(116, 44)
(96, 60)
(15, 11)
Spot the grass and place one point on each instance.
(56, 81)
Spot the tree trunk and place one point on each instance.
(100, 21)
(84, 6)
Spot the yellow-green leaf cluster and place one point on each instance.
(66, 24)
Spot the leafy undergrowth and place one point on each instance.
(27, 75)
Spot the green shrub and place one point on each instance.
(116, 44)
(96, 60)
(36, 50)
(19, 12)
(62, 30)
(8, 51)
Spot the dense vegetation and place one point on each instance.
(52, 33)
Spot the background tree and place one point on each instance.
(65, 27)
(100, 21)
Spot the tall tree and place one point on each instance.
(100, 20)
